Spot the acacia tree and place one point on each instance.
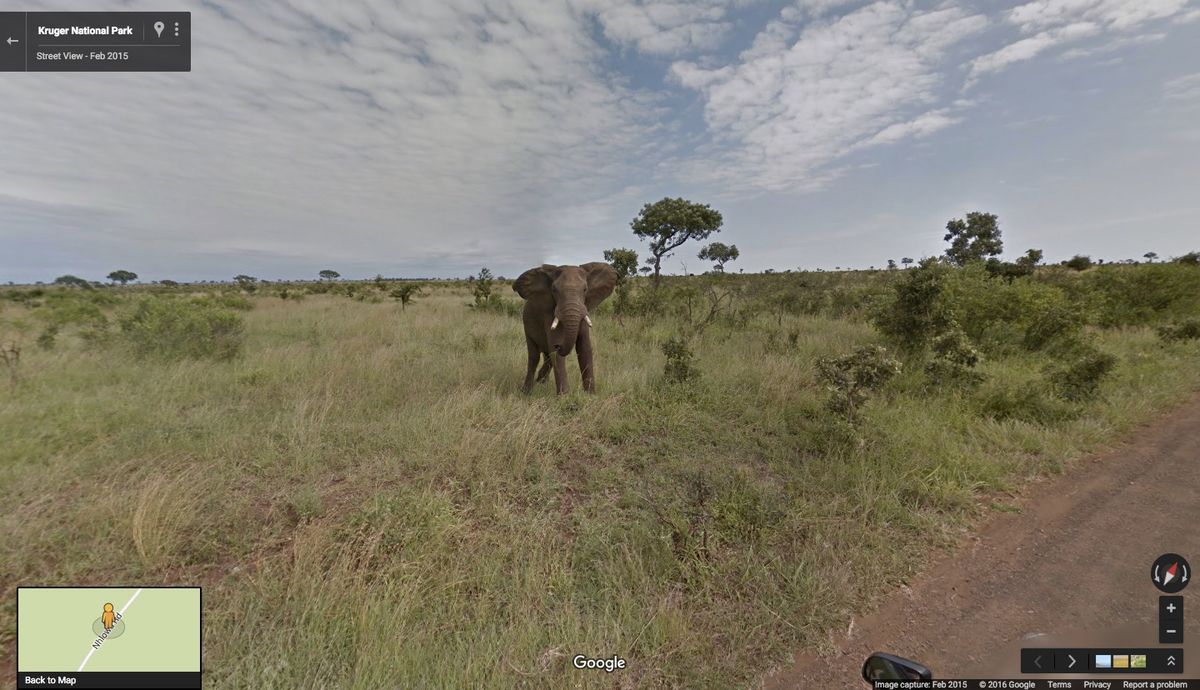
(405, 293)
(975, 239)
(329, 274)
(1079, 262)
(73, 281)
(719, 253)
(669, 223)
(1150, 256)
(1032, 258)
(122, 276)
(625, 263)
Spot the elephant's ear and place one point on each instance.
(535, 281)
(601, 279)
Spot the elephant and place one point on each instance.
(558, 302)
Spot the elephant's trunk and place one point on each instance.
(563, 337)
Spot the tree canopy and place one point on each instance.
(668, 223)
(624, 262)
(720, 254)
(72, 281)
(122, 276)
(975, 239)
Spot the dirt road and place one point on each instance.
(1070, 569)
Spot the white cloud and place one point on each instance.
(664, 27)
(1053, 23)
(1110, 46)
(1115, 14)
(794, 104)
(451, 132)
(1027, 48)
(923, 125)
(1185, 88)
(820, 7)
(333, 131)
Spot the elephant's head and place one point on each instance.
(567, 294)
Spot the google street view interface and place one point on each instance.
(600, 344)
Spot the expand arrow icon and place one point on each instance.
(12, 40)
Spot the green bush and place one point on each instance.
(1184, 330)
(679, 367)
(918, 310)
(226, 300)
(849, 379)
(1051, 323)
(171, 329)
(1001, 315)
(954, 361)
(1079, 375)
(1136, 295)
(1079, 262)
(498, 305)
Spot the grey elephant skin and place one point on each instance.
(558, 303)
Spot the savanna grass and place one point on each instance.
(370, 502)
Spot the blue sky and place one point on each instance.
(432, 138)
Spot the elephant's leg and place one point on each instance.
(583, 348)
(560, 374)
(545, 370)
(534, 355)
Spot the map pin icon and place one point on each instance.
(158, 27)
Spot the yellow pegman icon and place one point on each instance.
(108, 617)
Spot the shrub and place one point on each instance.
(1184, 330)
(679, 367)
(1053, 322)
(405, 293)
(954, 361)
(498, 305)
(850, 378)
(482, 287)
(227, 300)
(45, 339)
(1133, 295)
(172, 329)
(1078, 377)
(918, 310)
(1079, 262)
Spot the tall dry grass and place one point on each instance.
(369, 501)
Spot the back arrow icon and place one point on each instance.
(12, 40)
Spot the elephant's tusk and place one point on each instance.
(588, 319)
(554, 325)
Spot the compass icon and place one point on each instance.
(1170, 573)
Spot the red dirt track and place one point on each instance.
(1072, 568)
